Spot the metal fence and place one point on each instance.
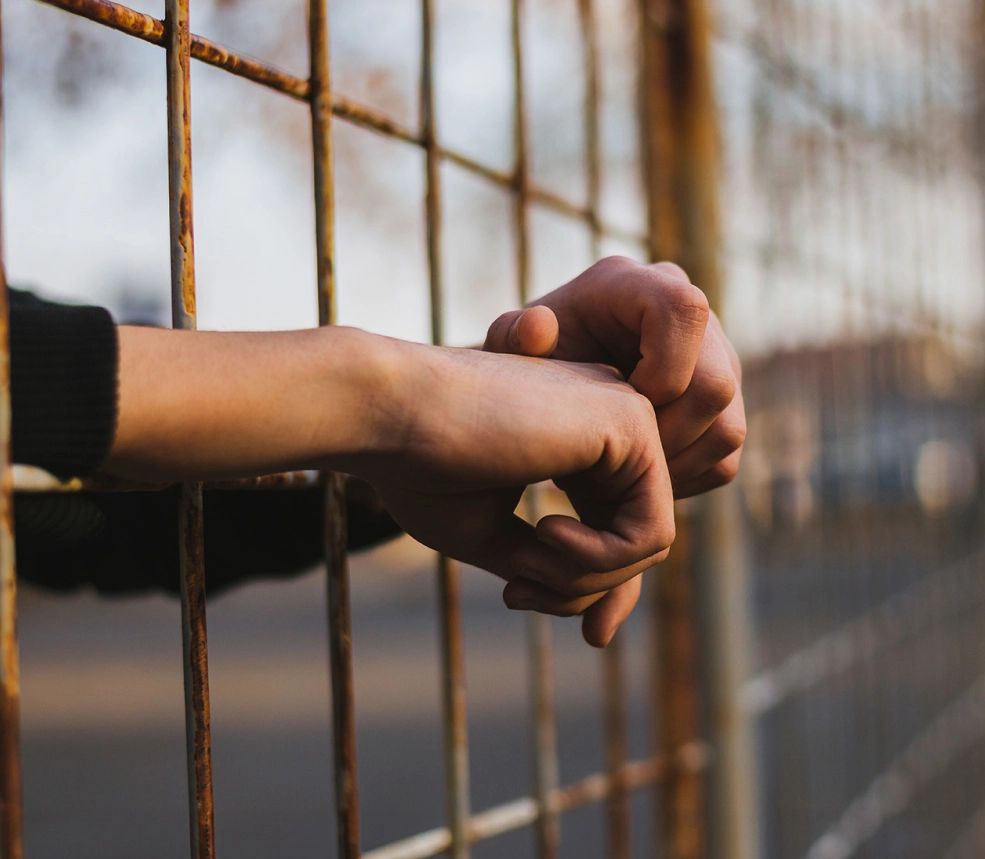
(855, 266)
(816, 671)
(677, 124)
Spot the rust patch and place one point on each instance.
(196, 670)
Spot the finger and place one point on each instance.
(603, 618)
(552, 569)
(523, 594)
(577, 560)
(621, 523)
(479, 529)
(718, 475)
(713, 388)
(671, 330)
(532, 331)
(722, 439)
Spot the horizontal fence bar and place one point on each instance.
(633, 776)
(952, 732)
(151, 29)
(30, 479)
(904, 614)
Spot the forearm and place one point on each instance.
(199, 405)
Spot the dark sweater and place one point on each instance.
(64, 398)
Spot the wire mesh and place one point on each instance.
(852, 270)
(622, 776)
(853, 248)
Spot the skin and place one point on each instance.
(448, 437)
(655, 327)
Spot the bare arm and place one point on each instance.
(450, 438)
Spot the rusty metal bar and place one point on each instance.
(11, 808)
(151, 29)
(680, 805)
(339, 609)
(432, 166)
(540, 636)
(680, 146)
(521, 164)
(615, 715)
(11, 811)
(454, 710)
(340, 654)
(593, 155)
(190, 527)
(518, 813)
(540, 632)
(614, 721)
(29, 479)
(680, 135)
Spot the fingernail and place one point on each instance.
(514, 334)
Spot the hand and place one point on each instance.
(655, 327)
(450, 438)
(493, 424)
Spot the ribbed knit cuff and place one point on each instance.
(63, 363)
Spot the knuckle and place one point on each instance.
(674, 387)
(688, 303)
(726, 471)
(656, 536)
(726, 436)
(616, 265)
(715, 390)
(664, 535)
(732, 432)
(671, 269)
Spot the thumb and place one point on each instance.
(532, 331)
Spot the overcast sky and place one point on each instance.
(86, 172)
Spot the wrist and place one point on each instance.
(368, 376)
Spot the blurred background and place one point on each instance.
(846, 688)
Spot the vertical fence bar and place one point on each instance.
(614, 722)
(521, 169)
(455, 712)
(680, 161)
(11, 811)
(614, 716)
(593, 153)
(190, 526)
(540, 635)
(681, 802)
(339, 609)
(540, 631)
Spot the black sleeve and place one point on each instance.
(126, 543)
(63, 370)
(64, 398)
